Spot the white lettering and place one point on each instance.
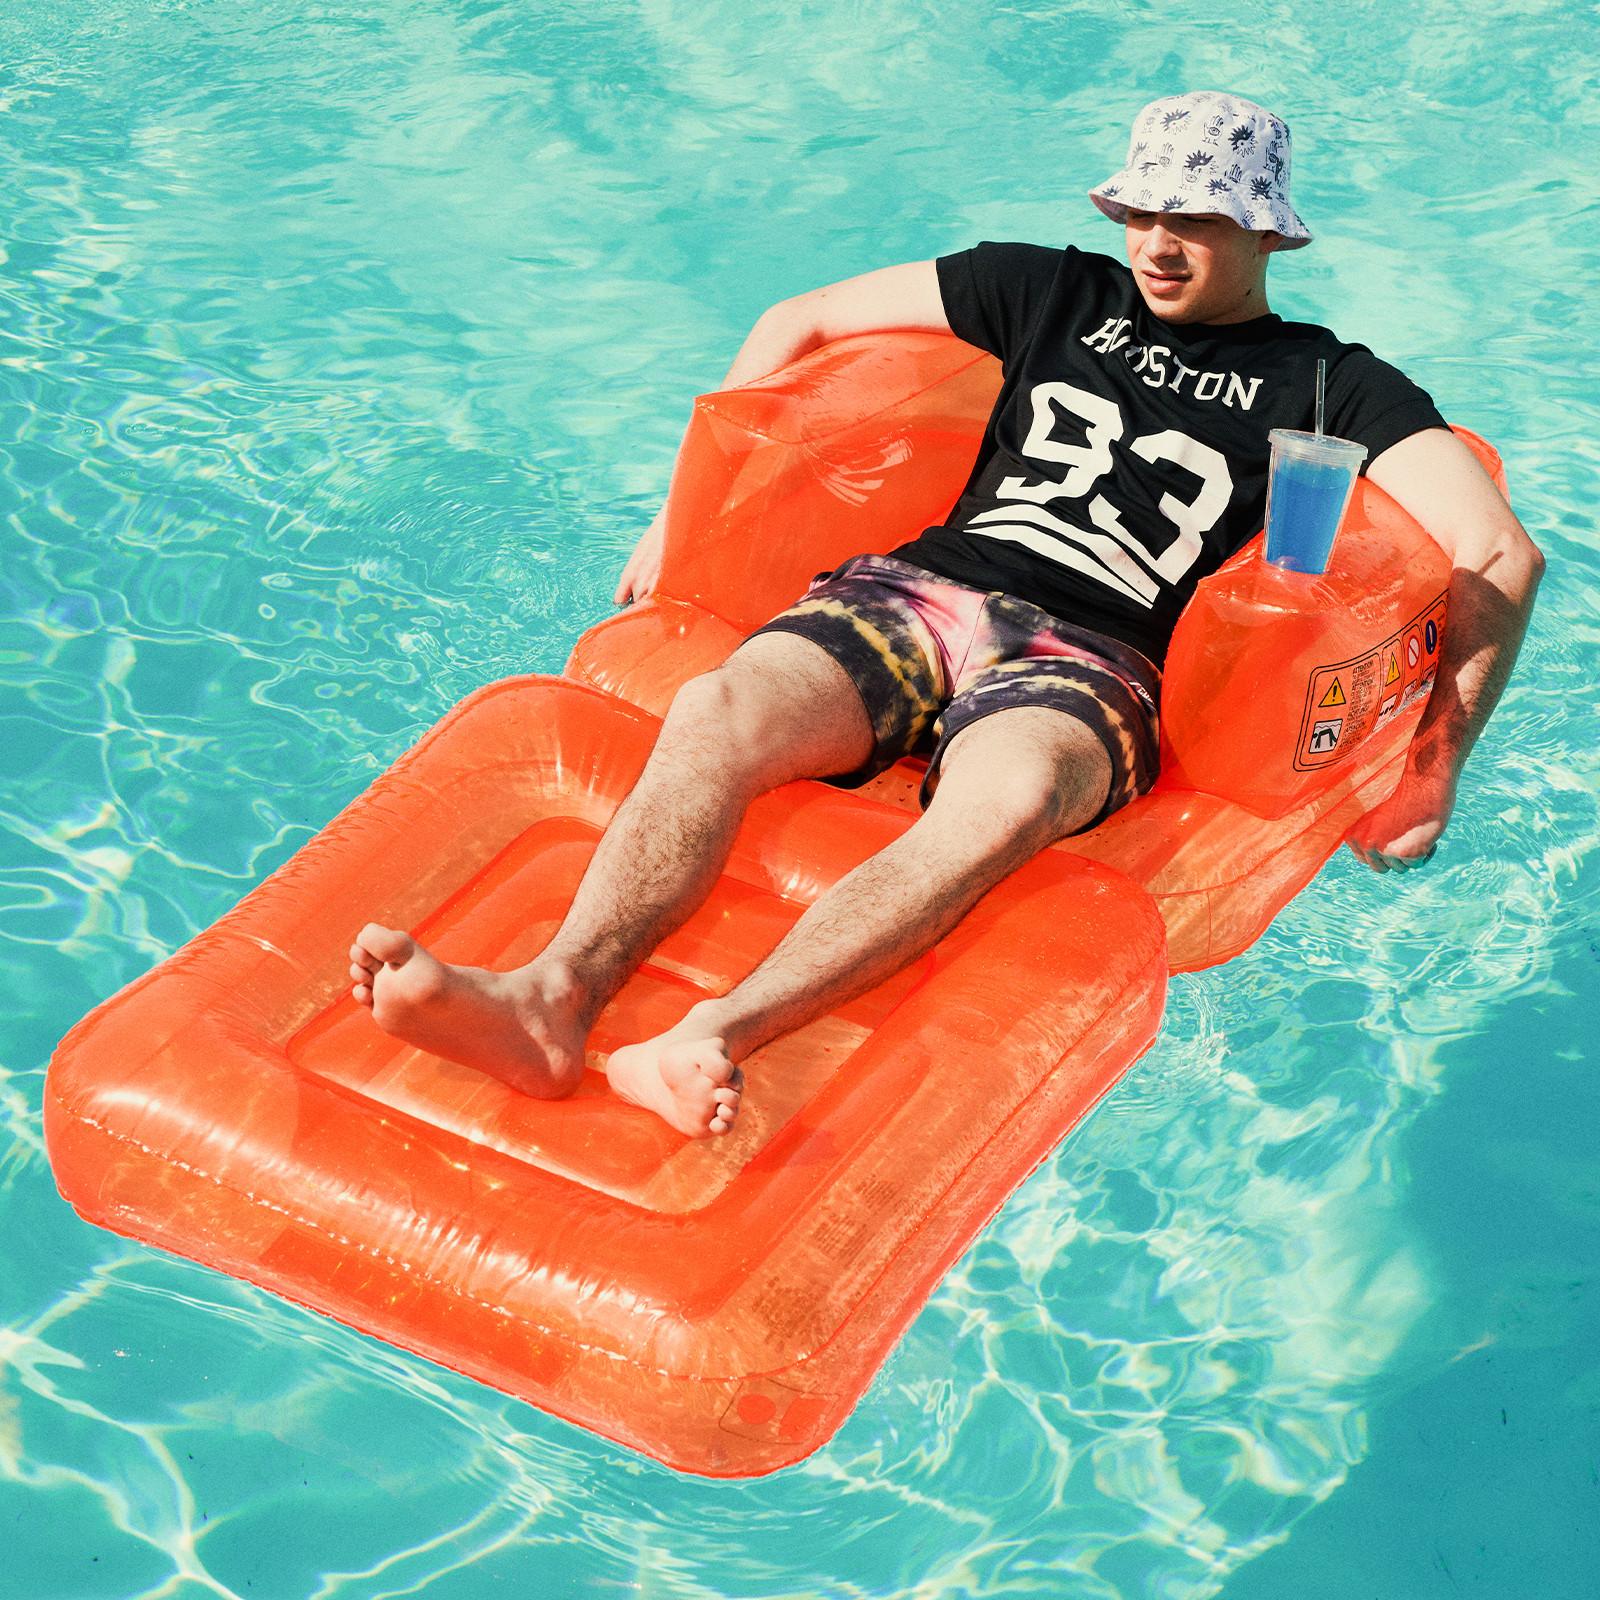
(1150, 362)
(1073, 547)
(1239, 393)
(1191, 520)
(1085, 462)
(1101, 338)
(1107, 559)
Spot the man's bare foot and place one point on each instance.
(524, 1027)
(683, 1075)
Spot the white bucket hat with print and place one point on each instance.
(1207, 152)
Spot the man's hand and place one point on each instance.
(906, 296)
(1404, 831)
(1495, 573)
(643, 571)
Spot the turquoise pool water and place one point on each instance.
(343, 352)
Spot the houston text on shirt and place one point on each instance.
(1150, 362)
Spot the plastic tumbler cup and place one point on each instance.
(1308, 487)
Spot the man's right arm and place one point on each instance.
(905, 296)
(893, 297)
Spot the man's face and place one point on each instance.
(1194, 267)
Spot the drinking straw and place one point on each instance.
(1322, 378)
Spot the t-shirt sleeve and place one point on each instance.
(994, 293)
(1374, 403)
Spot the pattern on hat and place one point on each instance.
(1207, 152)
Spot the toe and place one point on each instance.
(712, 1060)
(362, 994)
(724, 1109)
(386, 944)
(362, 957)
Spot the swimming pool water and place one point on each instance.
(344, 352)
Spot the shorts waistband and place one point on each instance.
(1140, 673)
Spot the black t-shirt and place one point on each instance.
(1126, 457)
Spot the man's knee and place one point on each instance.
(723, 716)
(1030, 775)
(765, 720)
(710, 702)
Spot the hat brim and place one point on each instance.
(1294, 238)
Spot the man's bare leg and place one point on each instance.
(1010, 784)
(780, 708)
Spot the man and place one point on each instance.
(1126, 458)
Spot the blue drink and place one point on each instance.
(1308, 487)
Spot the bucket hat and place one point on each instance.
(1207, 152)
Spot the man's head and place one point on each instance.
(1205, 201)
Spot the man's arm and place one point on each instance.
(1497, 567)
(893, 297)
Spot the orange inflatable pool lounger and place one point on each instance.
(717, 1304)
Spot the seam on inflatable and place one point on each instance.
(254, 1199)
(1244, 873)
(251, 1197)
(931, 1213)
(517, 1317)
(856, 419)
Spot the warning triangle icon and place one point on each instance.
(1334, 696)
(1394, 670)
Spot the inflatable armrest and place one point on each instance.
(1275, 680)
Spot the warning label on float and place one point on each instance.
(1370, 691)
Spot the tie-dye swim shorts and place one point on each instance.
(930, 657)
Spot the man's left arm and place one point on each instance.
(1496, 572)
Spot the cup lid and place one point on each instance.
(1320, 447)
